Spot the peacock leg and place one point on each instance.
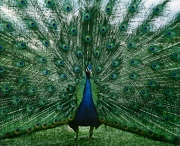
(90, 133)
(77, 130)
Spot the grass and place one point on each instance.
(64, 136)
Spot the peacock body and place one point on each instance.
(87, 63)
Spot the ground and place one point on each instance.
(64, 136)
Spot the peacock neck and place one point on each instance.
(87, 114)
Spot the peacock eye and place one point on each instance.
(174, 74)
(133, 8)
(145, 28)
(46, 42)
(22, 44)
(1, 69)
(23, 2)
(110, 46)
(73, 30)
(131, 45)
(157, 10)
(4, 111)
(68, 8)
(98, 69)
(87, 38)
(122, 27)
(87, 16)
(79, 53)
(175, 55)
(65, 47)
(33, 24)
(77, 69)
(167, 91)
(63, 76)
(60, 62)
(24, 79)
(8, 25)
(108, 9)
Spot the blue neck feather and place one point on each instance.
(87, 114)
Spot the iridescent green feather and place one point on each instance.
(46, 46)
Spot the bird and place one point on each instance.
(90, 63)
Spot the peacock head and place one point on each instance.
(88, 71)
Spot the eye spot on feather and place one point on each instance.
(132, 8)
(2, 69)
(87, 16)
(157, 9)
(38, 124)
(68, 8)
(7, 134)
(175, 55)
(1, 48)
(24, 79)
(8, 26)
(33, 24)
(23, 2)
(22, 44)
(17, 130)
(4, 111)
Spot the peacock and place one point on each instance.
(90, 63)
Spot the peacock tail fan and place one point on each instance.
(133, 49)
